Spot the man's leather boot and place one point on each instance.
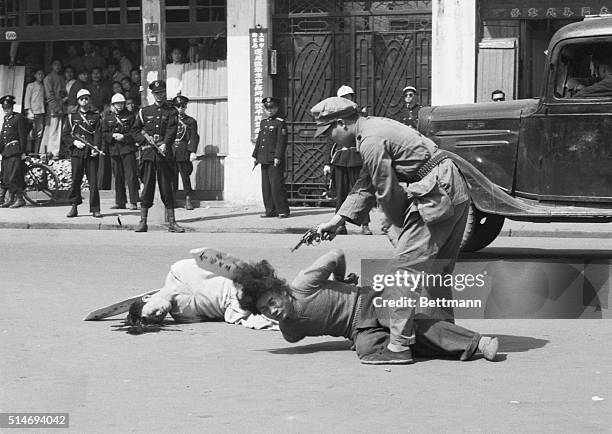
(142, 224)
(73, 212)
(9, 200)
(188, 204)
(172, 226)
(19, 202)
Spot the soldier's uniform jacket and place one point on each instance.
(86, 125)
(271, 141)
(410, 115)
(120, 122)
(342, 156)
(392, 155)
(13, 129)
(158, 121)
(187, 138)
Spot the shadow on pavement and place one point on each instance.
(245, 214)
(519, 344)
(313, 348)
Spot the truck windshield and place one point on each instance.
(584, 71)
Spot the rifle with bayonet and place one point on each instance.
(81, 138)
(153, 142)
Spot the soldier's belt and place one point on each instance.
(430, 164)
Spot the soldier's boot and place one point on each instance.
(142, 224)
(2, 195)
(188, 204)
(73, 212)
(172, 226)
(19, 201)
(9, 200)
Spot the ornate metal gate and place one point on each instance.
(376, 47)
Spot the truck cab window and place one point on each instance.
(584, 71)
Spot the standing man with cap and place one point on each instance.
(13, 146)
(185, 146)
(346, 163)
(155, 130)
(83, 134)
(431, 210)
(270, 153)
(410, 113)
(116, 137)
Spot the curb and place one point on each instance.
(509, 233)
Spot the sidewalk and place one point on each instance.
(220, 216)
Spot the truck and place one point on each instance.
(544, 159)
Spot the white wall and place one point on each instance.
(453, 62)
(240, 183)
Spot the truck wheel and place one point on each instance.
(480, 230)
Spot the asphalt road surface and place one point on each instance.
(551, 375)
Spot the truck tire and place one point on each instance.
(480, 230)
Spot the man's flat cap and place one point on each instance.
(179, 100)
(330, 109)
(7, 100)
(158, 86)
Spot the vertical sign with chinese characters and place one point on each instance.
(258, 43)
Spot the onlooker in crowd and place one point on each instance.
(117, 139)
(135, 76)
(55, 89)
(83, 134)
(13, 144)
(192, 51)
(100, 92)
(130, 105)
(105, 52)
(80, 83)
(130, 90)
(185, 146)
(498, 95)
(34, 105)
(73, 59)
(270, 153)
(132, 51)
(410, 113)
(70, 80)
(177, 56)
(117, 88)
(125, 65)
(91, 58)
(346, 163)
(112, 73)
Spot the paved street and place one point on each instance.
(552, 375)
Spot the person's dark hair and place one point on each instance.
(136, 323)
(96, 68)
(134, 69)
(252, 280)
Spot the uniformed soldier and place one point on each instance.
(270, 153)
(185, 146)
(410, 113)
(420, 191)
(155, 130)
(83, 134)
(13, 146)
(346, 163)
(116, 136)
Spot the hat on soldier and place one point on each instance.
(345, 90)
(407, 88)
(270, 102)
(83, 92)
(158, 86)
(330, 109)
(7, 100)
(179, 100)
(117, 98)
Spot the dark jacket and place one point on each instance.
(159, 122)
(118, 123)
(83, 126)
(187, 138)
(271, 141)
(14, 128)
(340, 156)
(410, 115)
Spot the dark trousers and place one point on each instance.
(344, 179)
(164, 172)
(124, 171)
(184, 168)
(38, 128)
(13, 174)
(104, 171)
(273, 189)
(434, 338)
(89, 167)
